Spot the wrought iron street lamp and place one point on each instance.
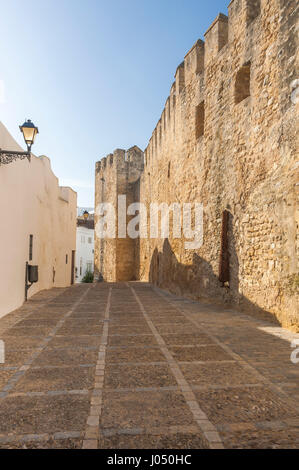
(29, 131)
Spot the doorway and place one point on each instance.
(73, 268)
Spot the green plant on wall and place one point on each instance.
(293, 283)
(88, 277)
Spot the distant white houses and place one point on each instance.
(85, 246)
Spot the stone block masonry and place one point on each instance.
(226, 139)
(117, 174)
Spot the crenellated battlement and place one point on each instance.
(216, 37)
(121, 161)
(180, 78)
(194, 60)
(203, 55)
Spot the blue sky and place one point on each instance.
(94, 75)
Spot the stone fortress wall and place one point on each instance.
(227, 139)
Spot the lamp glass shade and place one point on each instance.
(29, 132)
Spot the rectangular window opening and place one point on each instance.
(224, 273)
(242, 84)
(200, 120)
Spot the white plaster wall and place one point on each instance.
(31, 202)
(85, 251)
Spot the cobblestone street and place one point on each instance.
(129, 366)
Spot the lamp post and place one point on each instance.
(29, 131)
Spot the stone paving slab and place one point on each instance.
(125, 376)
(140, 340)
(82, 330)
(277, 373)
(56, 357)
(134, 354)
(5, 375)
(174, 329)
(243, 404)
(124, 322)
(17, 358)
(149, 441)
(187, 339)
(219, 374)
(202, 353)
(83, 323)
(133, 409)
(121, 315)
(132, 329)
(168, 320)
(268, 439)
(28, 331)
(37, 323)
(43, 444)
(31, 415)
(64, 378)
(25, 343)
(93, 317)
(74, 342)
(129, 366)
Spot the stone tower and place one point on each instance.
(117, 175)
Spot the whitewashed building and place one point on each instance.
(85, 247)
(38, 226)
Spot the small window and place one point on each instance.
(242, 85)
(89, 240)
(89, 266)
(253, 10)
(30, 247)
(66, 259)
(200, 120)
(169, 169)
(224, 274)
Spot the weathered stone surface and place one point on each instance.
(227, 139)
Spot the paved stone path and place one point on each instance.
(129, 366)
